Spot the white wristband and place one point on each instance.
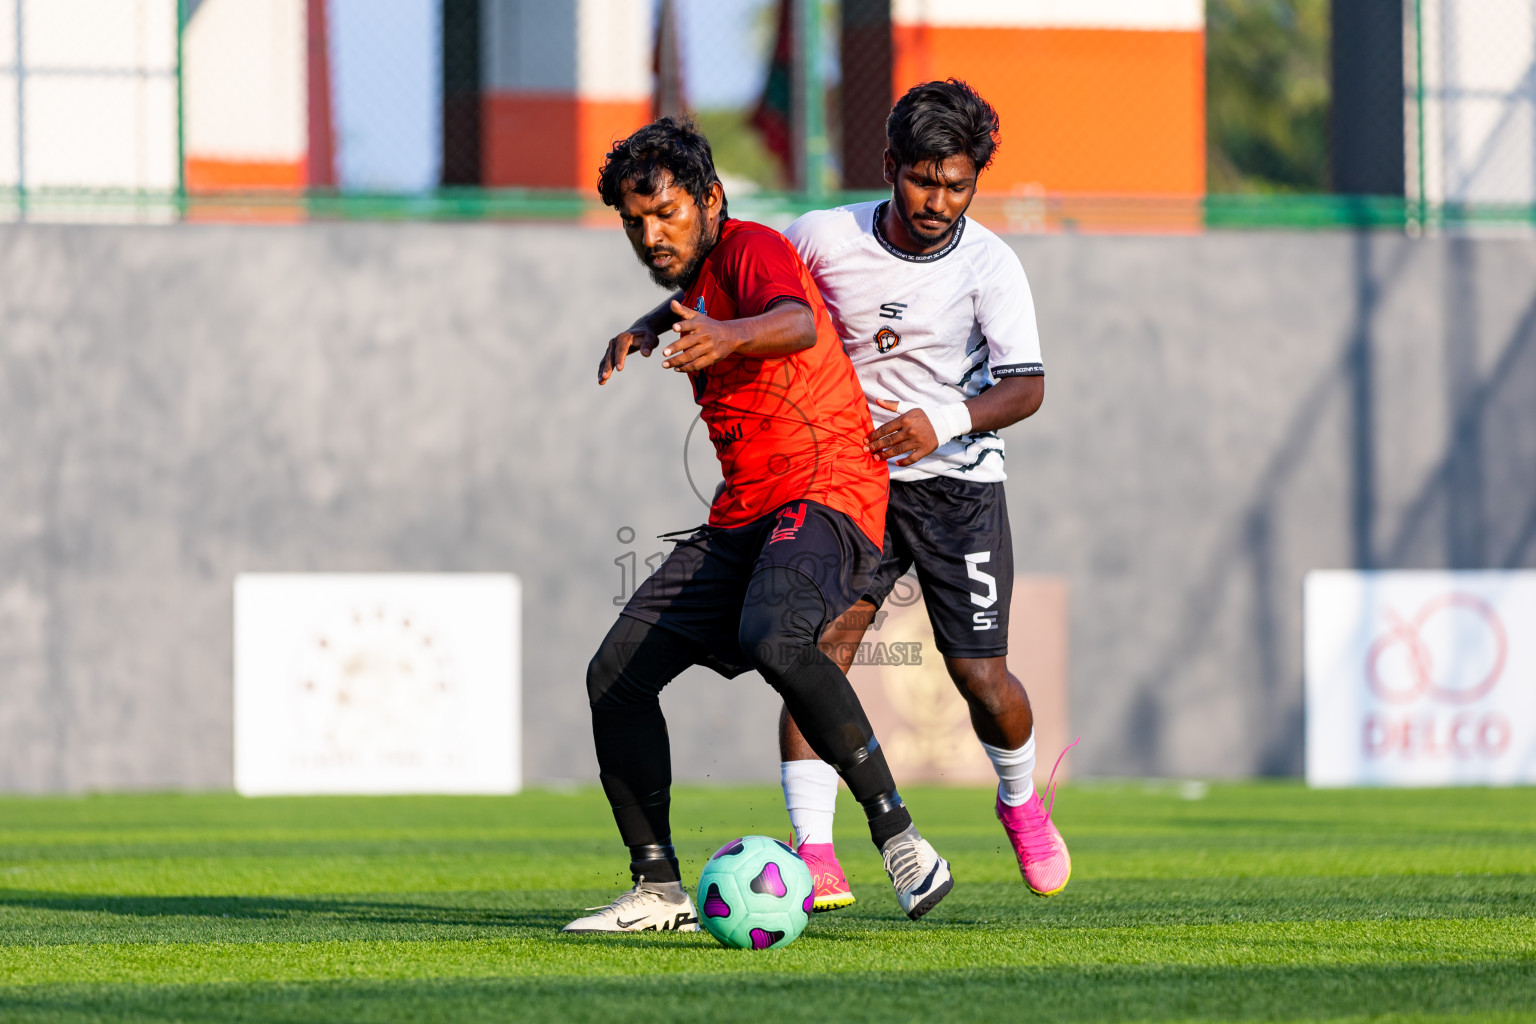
(949, 421)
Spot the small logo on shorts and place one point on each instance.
(790, 521)
(886, 339)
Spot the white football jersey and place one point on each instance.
(928, 329)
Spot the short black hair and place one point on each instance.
(936, 120)
(667, 146)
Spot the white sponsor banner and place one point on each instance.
(377, 683)
(1420, 678)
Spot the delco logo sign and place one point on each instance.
(1428, 671)
(1420, 678)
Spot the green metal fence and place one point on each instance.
(1418, 211)
(1115, 215)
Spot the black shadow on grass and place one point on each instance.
(284, 908)
(1087, 994)
(630, 940)
(1106, 903)
(1119, 903)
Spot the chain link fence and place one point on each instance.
(1157, 115)
(1471, 83)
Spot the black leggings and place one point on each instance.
(781, 619)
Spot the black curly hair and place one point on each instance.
(936, 120)
(668, 146)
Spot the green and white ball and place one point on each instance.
(755, 893)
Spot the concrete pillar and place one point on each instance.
(865, 97)
(463, 50)
(1366, 125)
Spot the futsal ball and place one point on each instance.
(755, 893)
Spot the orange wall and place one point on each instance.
(209, 175)
(552, 140)
(1082, 110)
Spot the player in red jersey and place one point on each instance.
(793, 536)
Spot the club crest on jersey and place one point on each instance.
(886, 339)
(700, 306)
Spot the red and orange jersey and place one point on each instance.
(784, 427)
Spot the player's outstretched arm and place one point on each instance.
(643, 335)
(911, 436)
(787, 328)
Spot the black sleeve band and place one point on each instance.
(1019, 370)
(777, 299)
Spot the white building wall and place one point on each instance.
(94, 104)
(1478, 101)
(613, 57)
(245, 72)
(9, 154)
(105, 133)
(101, 35)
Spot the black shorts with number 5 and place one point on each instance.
(956, 533)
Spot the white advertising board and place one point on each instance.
(1420, 678)
(377, 684)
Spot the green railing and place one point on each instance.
(1045, 213)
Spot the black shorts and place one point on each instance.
(956, 533)
(698, 591)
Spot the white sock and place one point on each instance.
(1015, 771)
(810, 796)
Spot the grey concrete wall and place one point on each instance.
(1226, 412)
(1223, 413)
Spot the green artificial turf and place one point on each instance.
(1255, 901)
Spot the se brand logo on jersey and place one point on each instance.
(886, 339)
(891, 310)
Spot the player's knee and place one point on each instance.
(979, 679)
(608, 682)
(602, 673)
(781, 619)
(987, 685)
(762, 636)
(776, 643)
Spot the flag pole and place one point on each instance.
(810, 110)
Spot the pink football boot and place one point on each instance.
(1042, 853)
(829, 885)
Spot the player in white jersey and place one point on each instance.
(936, 314)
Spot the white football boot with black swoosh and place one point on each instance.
(920, 875)
(640, 910)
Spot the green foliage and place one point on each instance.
(739, 150)
(1241, 902)
(1267, 95)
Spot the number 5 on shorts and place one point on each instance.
(984, 619)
